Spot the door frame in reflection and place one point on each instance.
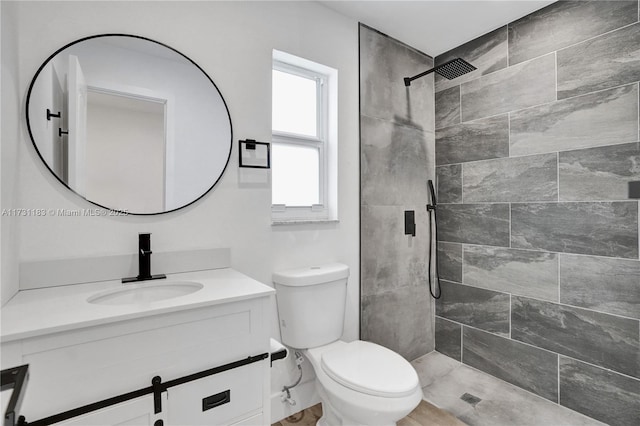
(147, 95)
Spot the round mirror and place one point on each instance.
(129, 124)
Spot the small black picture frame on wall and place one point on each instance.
(253, 154)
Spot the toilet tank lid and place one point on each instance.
(311, 275)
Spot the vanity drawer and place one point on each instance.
(222, 399)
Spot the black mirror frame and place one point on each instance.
(33, 80)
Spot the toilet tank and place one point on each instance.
(311, 303)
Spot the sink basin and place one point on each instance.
(145, 293)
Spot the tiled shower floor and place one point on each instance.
(446, 380)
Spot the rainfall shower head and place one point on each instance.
(450, 70)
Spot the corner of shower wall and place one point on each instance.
(397, 157)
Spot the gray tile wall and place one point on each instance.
(538, 241)
(397, 152)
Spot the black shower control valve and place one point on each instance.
(410, 223)
(634, 190)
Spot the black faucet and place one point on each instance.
(144, 260)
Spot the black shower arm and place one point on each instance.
(408, 80)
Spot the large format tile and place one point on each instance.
(568, 22)
(448, 107)
(394, 163)
(516, 179)
(390, 259)
(520, 86)
(450, 261)
(521, 272)
(401, 320)
(433, 366)
(602, 284)
(601, 339)
(599, 393)
(502, 404)
(479, 140)
(448, 338)
(599, 173)
(596, 119)
(488, 53)
(533, 369)
(384, 62)
(484, 309)
(605, 229)
(486, 224)
(449, 183)
(610, 60)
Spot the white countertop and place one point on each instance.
(44, 311)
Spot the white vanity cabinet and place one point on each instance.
(138, 412)
(93, 362)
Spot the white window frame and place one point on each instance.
(326, 209)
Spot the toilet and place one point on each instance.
(359, 383)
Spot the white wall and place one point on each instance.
(11, 134)
(232, 42)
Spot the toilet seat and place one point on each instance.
(370, 369)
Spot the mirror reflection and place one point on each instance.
(129, 124)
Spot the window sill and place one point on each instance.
(303, 222)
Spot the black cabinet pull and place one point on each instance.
(216, 400)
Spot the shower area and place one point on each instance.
(537, 236)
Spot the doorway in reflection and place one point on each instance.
(126, 148)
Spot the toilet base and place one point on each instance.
(330, 417)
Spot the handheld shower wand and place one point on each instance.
(433, 243)
(432, 192)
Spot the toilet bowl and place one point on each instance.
(359, 383)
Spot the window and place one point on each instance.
(303, 166)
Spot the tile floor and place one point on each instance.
(446, 380)
(424, 414)
(487, 401)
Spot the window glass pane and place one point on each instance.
(294, 104)
(295, 175)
